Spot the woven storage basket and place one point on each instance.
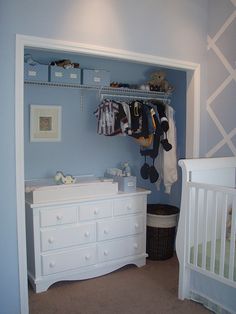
(161, 230)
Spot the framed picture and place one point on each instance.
(45, 123)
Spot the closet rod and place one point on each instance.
(164, 99)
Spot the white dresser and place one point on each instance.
(86, 238)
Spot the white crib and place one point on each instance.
(205, 242)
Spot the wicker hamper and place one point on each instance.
(161, 230)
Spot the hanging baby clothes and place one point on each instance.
(166, 163)
(105, 114)
(112, 119)
(128, 116)
(134, 119)
(142, 123)
(148, 124)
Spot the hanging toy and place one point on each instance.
(164, 142)
(164, 124)
(144, 171)
(153, 174)
(159, 137)
(147, 171)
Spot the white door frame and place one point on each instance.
(22, 42)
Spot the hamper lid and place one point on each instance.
(162, 209)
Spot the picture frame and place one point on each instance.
(45, 123)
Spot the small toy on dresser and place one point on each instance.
(60, 178)
(126, 182)
(126, 171)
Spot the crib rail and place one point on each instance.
(211, 229)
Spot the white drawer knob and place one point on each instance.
(135, 245)
(105, 253)
(59, 217)
(52, 264)
(87, 257)
(105, 231)
(96, 211)
(129, 207)
(50, 240)
(87, 234)
(136, 226)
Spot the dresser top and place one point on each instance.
(119, 194)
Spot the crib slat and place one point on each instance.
(196, 219)
(223, 233)
(205, 229)
(189, 223)
(213, 232)
(232, 241)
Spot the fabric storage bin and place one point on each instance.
(37, 72)
(161, 230)
(61, 75)
(96, 77)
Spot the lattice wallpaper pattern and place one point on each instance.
(221, 63)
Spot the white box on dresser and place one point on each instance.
(85, 238)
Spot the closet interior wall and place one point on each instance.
(81, 150)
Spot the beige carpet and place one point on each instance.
(151, 289)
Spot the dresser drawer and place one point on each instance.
(60, 237)
(59, 262)
(121, 248)
(95, 210)
(114, 228)
(129, 205)
(57, 216)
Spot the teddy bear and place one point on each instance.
(159, 83)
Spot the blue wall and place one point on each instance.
(81, 150)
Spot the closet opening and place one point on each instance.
(79, 122)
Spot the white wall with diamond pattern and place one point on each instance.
(221, 81)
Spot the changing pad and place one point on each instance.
(43, 191)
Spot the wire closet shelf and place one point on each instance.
(110, 92)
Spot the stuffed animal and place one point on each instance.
(60, 178)
(159, 83)
(126, 171)
(65, 63)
